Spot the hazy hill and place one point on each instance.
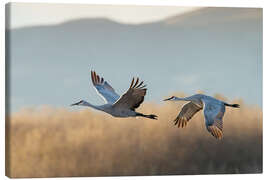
(217, 50)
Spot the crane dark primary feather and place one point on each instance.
(187, 112)
(136, 82)
(215, 131)
(133, 98)
(131, 83)
(100, 81)
(104, 88)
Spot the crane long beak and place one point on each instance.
(168, 99)
(74, 104)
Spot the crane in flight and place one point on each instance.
(213, 110)
(117, 106)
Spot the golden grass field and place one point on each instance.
(56, 142)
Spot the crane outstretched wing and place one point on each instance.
(187, 113)
(104, 89)
(213, 114)
(133, 97)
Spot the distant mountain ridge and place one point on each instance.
(222, 14)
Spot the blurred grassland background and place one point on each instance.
(57, 142)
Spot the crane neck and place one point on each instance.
(193, 99)
(85, 103)
(182, 99)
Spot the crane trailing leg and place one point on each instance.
(151, 116)
(232, 105)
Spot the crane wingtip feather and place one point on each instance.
(216, 132)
